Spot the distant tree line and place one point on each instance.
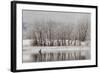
(52, 33)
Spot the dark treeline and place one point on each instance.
(52, 33)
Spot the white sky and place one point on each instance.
(30, 16)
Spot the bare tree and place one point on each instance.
(82, 30)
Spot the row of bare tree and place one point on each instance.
(45, 33)
(56, 43)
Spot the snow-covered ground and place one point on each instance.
(27, 42)
(30, 53)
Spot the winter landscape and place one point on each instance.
(55, 36)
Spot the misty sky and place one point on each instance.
(30, 16)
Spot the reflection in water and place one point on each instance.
(57, 56)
